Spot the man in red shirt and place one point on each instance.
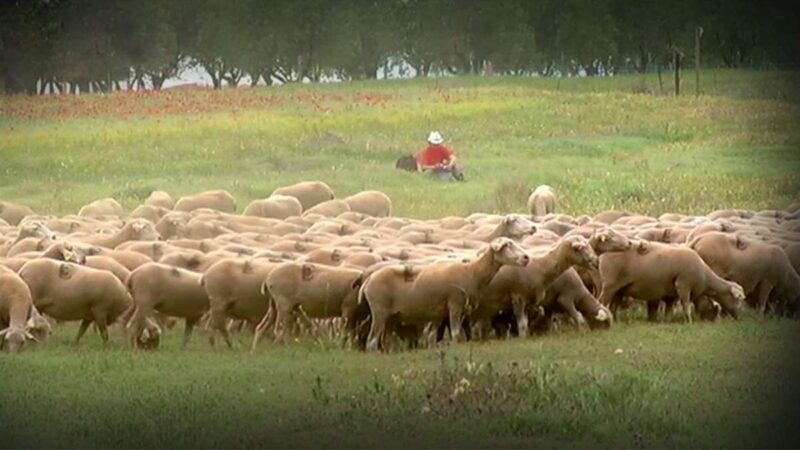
(436, 156)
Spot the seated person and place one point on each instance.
(438, 158)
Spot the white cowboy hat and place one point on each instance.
(435, 138)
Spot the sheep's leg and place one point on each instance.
(216, 322)
(376, 331)
(187, 330)
(519, 303)
(608, 294)
(82, 330)
(685, 295)
(577, 318)
(456, 319)
(266, 323)
(764, 289)
(100, 321)
(652, 310)
(136, 324)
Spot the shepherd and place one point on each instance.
(438, 159)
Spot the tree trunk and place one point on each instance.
(158, 80)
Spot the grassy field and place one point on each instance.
(602, 143)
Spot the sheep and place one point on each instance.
(108, 264)
(149, 213)
(129, 259)
(655, 271)
(609, 217)
(217, 200)
(13, 213)
(276, 207)
(309, 193)
(67, 292)
(542, 201)
(761, 269)
(160, 199)
(17, 315)
(135, 230)
(103, 207)
(372, 203)
(329, 208)
(432, 293)
(234, 289)
(168, 290)
(318, 291)
(511, 288)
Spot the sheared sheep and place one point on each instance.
(14, 213)
(309, 193)
(276, 207)
(542, 201)
(433, 293)
(373, 203)
(168, 290)
(160, 199)
(655, 271)
(217, 200)
(67, 292)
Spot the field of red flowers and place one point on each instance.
(176, 102)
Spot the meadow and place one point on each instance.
(606, 143)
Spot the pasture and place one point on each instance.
(602, 143)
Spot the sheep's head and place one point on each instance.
(150, 336)
(12, 339)
(602, 319)
(609, 240)
(516, 227)
(143, 230)
(38, 327)
(508, 252)
(580, 252)
(731, 298)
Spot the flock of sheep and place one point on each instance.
(302, 260)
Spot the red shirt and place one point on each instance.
(433, 155)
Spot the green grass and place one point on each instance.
(670, 385)
(597, 141)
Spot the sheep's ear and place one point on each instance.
(498, 245)
(307, 271)
(336, 255)
(602, 237)
(138, 226)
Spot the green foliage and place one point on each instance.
(101, 42)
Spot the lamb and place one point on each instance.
(101, 208)
(14, 213)
(16, 312)
(318, 291)
(234, 291)
(276, 207)
(433, 293)
(310, 193)
(656, 271)
(763, 270)
(542, 201)
(67, 292)
(372, 203)
(511, 288)
(168, 290)
(160, 199)
(217, 200)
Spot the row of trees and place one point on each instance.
(83, 45)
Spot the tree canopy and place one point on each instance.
(99, 45)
